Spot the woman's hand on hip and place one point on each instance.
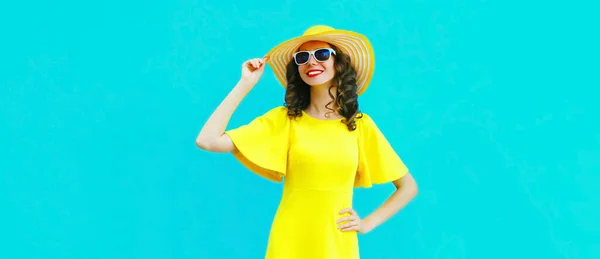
(352, 222)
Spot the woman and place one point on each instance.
(318, 142)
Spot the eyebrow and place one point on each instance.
(305, 49)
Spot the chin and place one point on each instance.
(316, 81)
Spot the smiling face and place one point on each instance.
(313, 72)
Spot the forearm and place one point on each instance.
(217, 122)
(406, 190)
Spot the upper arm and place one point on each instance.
(220, 144)
(407, 181)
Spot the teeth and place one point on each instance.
(314, 73)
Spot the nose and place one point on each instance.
(312, 60)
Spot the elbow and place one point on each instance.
(215, 144)
(203, 143)
(414, 190)
(408, 186)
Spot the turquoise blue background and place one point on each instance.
(492, 104)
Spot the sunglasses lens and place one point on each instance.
(302, 57)
(322, 54)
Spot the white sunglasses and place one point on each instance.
(320, 55)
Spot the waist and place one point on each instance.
(331, 200)
(316, 206)
(319, 190)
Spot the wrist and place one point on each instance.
(246, 83)
(368, 224)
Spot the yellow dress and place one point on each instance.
(321, 162)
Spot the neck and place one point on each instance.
(319, 98)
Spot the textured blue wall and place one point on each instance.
(492, 105)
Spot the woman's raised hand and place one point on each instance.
(253, 69)
(211, 135)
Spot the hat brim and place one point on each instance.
(356, 45)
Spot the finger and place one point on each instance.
(347, 218)
(348, 210)
(255, 63)
(352, 228)
(349, 224)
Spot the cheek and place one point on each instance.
(331, 64)
(301, 69)
(331, 69)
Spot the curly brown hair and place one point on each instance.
(297, 93)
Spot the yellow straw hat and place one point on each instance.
(356, 45)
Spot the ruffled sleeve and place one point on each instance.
(378, 162)
(262, 145)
